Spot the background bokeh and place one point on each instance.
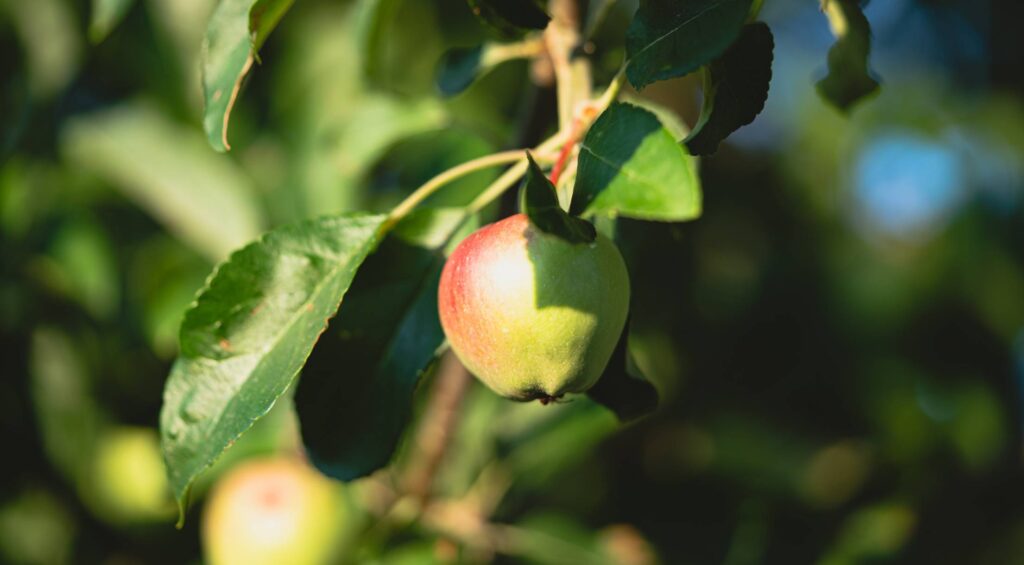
(838, 341)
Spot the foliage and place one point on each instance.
(802, 377)
(849, 80)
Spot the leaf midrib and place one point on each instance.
(278, 337)
(628, 172)
(677, 28)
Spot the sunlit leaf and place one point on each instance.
(48, 30)
(735, 89)
(630, 165)
(234, 35)
(249, 333)
(670, 39)
(170, 172)
(873, 533)
(106, 14)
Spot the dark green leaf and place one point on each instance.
(106, 14)
(849, 79)
(622, 388)
(630, 165)
(234, 35)
(250, 331)
(735, 89)
(669, 38)
(355, 394)
(458, 69)
(540, 203)
(510, 18)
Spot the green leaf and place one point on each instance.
(355, 394)
(459, 67)
(668, 117)
(374, 22)
(106, 14)
(400, 42)
(67, 414)
(596, 12)
(234, 35)
(249, 333)
(84, 266)
(52, 45)
(669, 38)
(849, 79)
(735, 88)
(622, 388)
(169, 171)
(540, 203)
(510, 18)
(630, 165)
(381, 122)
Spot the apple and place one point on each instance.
(530, 314)
(129, 484)
(273, 511)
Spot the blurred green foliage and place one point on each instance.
(838, 341)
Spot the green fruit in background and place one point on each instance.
(531, 315)
(273, 511)
(129, 478)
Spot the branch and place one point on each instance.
(572, 73)
(436, 428)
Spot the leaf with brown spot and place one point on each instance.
(215, 393)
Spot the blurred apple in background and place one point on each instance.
(129, 478)
(273, 511)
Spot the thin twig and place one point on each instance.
(454, 173)
(437, 428)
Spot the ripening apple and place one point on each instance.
(273, 511)
(531, 315)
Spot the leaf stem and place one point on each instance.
(452, 174)
(611, 92)
(509, 178)
(497, 53)
(562, 139)
(516, 156)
